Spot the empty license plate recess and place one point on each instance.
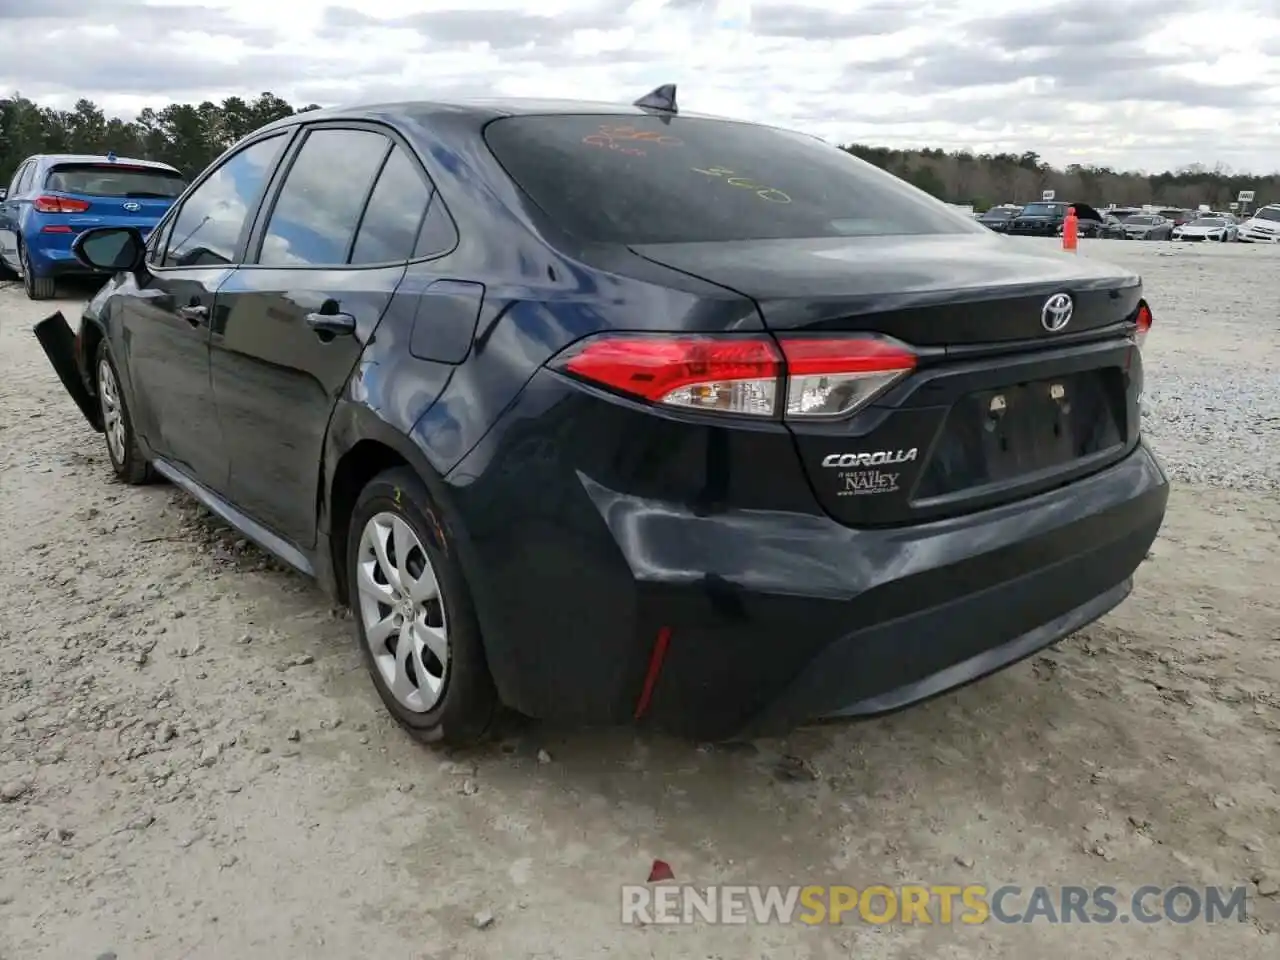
(999, 435)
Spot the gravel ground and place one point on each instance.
(194, 765)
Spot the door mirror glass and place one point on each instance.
(4, 192)
(109, 248)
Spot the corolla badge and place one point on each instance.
(132, 206)
(1056, 312)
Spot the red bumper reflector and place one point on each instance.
(655, 667)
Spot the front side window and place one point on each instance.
(647, 179)
(318, 210)
(157, 243)
(207, 229)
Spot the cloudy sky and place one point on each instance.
(1147, 84)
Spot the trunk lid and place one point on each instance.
(999, 407)
(941, 291)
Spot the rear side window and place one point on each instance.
(16, 183)
(25, 177)
(391, 220)
(206, 232)
(114, 180)
(316, 214)
(438, 235)
(644, 179)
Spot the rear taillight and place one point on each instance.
(729, 375)
(52, 204)
(836, 376)
(808, 378)
(1143, 320)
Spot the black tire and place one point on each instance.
(468, 703)
(130, 466)
(37, 288)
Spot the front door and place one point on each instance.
(164, 322)
(164, 329)
(292, 323)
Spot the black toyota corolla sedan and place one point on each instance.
(620, 414)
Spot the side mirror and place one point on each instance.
(4, 192)
(110, 249)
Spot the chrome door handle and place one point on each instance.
(331, 324)
(195, 314)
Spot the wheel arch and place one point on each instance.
(361, 445)
(91, 335)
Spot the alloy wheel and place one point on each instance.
(112, 411)
(402, 611)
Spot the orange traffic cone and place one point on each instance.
(1070, 230)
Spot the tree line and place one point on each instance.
(189, 136)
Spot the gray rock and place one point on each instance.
(14, 790)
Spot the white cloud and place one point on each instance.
(1148, 84)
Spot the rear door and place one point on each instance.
(330, 251)
(163, 317)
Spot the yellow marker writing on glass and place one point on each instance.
(763, 191)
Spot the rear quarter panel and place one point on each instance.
(541, 293)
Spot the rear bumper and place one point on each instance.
(50, 253)
(862, 622)
(1036, 230)
(50, 256)
(774, 617)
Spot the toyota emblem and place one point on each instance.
(1056, 313)
(132, 206)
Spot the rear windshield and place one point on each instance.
(1043, 209)
(113, 180)
(642, 179)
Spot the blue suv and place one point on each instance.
(53, 198)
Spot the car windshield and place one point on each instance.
(1268, 213)
(649, 179)
(1208, 222)
(1141, 221)
(1043, 209)
(114, 180)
